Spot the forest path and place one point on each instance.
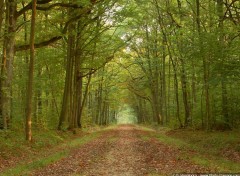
(126, 150)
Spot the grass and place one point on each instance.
(207, 147)
(85, 139)
(221, 164)
(25, 169)
(144, 128)
(13, 143)
(45, 156)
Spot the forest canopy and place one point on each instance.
(69, 64)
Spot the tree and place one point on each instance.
(7, 63)
(30, 74)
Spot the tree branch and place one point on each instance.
(29, 7)
(93, 70)
(56, 38)
(58, 5)
(136, 92)
(39, 45)
(86, 10)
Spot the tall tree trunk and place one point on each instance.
(1, 15)
(220, 13)
(153, 78)
(140, 110)
(38, 101)
(185, 94)
(79, 99)
(2, 120)
(155, 105)
(30, 75)
(26, 53)
(99, 100)
(164, 85)
(7, 63)
(174, 64)
(65, 101)
(205, 68)
(84, 100)
(175, 71)
(194, 94)
(168, 111)
(68, 78)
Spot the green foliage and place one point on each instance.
(150, 62)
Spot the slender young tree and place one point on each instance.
(1, 15)
(30, 75)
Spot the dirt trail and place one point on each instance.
(123, 151)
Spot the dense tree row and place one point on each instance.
(187, 54)
(66, 62)
(44, 41)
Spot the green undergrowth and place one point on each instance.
(47, 147)
(145, 128)
(25, 169)
(204, 148)
(13, 144)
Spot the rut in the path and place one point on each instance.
(123, 151)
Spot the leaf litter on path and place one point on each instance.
(127, 155)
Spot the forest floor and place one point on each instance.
(128, 150)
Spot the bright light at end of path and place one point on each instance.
(126, 115)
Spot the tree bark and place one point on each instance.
(185, 94)
(1, 15)
(79, 92)
(30, 75)
(83, 101)
(7, 63)
(68, 79)
(220, 13)
(205, 68)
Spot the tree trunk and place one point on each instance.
(220, 50)
(185, 94)
(30, 75)
(84, 100)
(194, 94)
(153, 77)
(175, 84)
(79, 99)
(164, 85)
(2, 120)
(99, 101)
(7, 63)
(205, 68)
(155, 105)
(68, 78)
(1, 15)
